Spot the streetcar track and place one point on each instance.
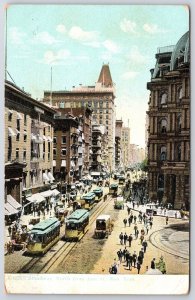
(57, 255)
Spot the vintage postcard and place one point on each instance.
(97, 149)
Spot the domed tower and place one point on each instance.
(169, 125)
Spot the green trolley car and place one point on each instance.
(113, 189)
(77, 225)
(98, 193)
(43, 236)
(89, 200)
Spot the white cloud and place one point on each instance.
(16, 36)
(135, 56)
(111, 46)
(77, 33)
(129, 75)
(153, 28)
(128, 26)
(61, 28)
(50, 57)
(45, 38)
(61, 57)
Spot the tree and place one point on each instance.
(144, 165)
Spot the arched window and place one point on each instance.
(163, 125)
(163, 98)
(160, 182)
(179, 123)
(179, 152)
(163, 153)
(180, 94)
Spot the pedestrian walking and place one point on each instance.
(134, 258)
(137, 234)
(121, 238)
(120, 255)
(133, 204)
(125, 222)
(9, 230)
(127, 255)
(124, 253)
(175, 215)
(135, 218)
(130, 239)
(145, 245)
(147, 229)
(138, 267)
(125, 238)
(135, 229)
(141, 253)
(130, 261)
(129, 221)
(167, 220)
(151, 224)
(128, 210)
(153, 264)
(141, 238)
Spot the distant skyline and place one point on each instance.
(75, 40)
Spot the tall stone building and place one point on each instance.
(125, 146)
(100, 98)
(118, 136)
(169, 125)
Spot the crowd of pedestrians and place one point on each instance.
(127, 256)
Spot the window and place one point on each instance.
(25, 119)
(63, 139)
(106, 121)
(18, 137)
(100, 104)
(61, 104)
(10, 113)
(179, 123)
(163, 153)
(107, 111)
(17, 153)
(107, 104)
(180, 94)
(49, 147)
(25, 136)
(101, 116)
(163, 98)
(18, 124)
(178, 154)
(100, 121)
(107, 117)
(161, 182)
(95, 103)
(49, 128)
(54, 151)
(9, 148)
(54, 139)
(24, 154)
(63, 151)
(163, 126)
(82, 103)
(101, 111)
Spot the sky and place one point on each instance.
(75, 40)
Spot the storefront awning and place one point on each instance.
(50, 176)
(13, 202)
(36, 198)
(45, 177)
(11, 132)
(10, 210)
(47, 193)
(55, 192)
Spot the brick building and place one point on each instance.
(28, 144)
(169, 125)
(100, 98)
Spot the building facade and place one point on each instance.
(67, 161)
(100, 98)
(118, 136)
(28, 144)
(169, 125)
(125, 146)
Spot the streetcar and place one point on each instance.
(77, 225)
(121, 179)
(113, 189)
(89, 200)
(119, 202)
(43, 236)
(99, 193)
(104, 226)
